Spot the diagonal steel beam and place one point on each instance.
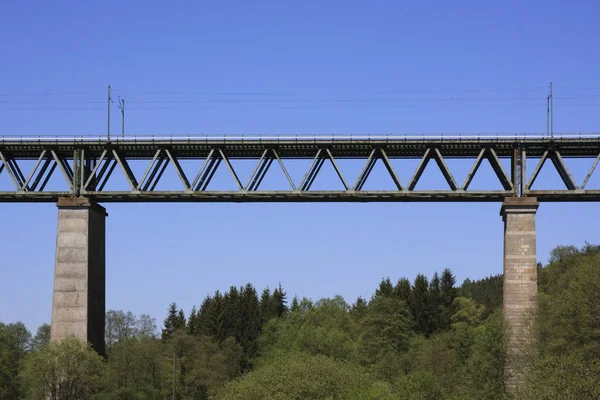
(267, 164)
(92, 177)
(18, 173)
(160, 173)
(498, 169)
(337, 169)
(8, 169)
(444, 168)
(104, 174)
(196, 184)
(47, 177)
(178, 169)
(257, 171)
(474, 169)
(308, 179)
(237, 180)
(537, 169)
(284, 170)
(113, 165)
(156, 167)
(62, 169)
(210, 172)
(126, 170)
(149, 168)
(366, 170)
(35, 167)
(587, 178)
(563, 171)
(40, 175)
(420, 169)
(390, 168)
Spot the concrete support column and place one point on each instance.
(78, 303)
(520, 281)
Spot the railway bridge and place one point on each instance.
(87, 164)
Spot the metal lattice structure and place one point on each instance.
(87, 164)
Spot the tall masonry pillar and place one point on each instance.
(520, 281)
(78, 303)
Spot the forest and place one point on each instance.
(426, 339)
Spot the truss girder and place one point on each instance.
(42, 171)
(88, 169)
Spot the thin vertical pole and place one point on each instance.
(123, 118)
(108, 128)
(547, 115)
(551, 113)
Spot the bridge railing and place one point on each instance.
(299, 137)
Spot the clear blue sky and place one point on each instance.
(268, 67)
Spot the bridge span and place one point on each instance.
(88, 163)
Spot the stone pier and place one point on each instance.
(78, 303)
(520, 281)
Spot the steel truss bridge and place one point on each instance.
(87, 164)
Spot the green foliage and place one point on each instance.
(420, 305)
(15, 341)
(299, 375)
(422, 385)
(486, 363)
(386, 327)
(325, 328)
(487, 292)
(428, 340)
(561, 377)
(569, 310)
(137, 370)
(174, 321)
(66, 370)
(41, 338)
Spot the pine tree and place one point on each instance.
(402, 290)
(448, 294)
(295, 304)
(192, 323)
(435, 302)
(419, 304)
(209, 316)
(278, 302)
(385, 288)
(359, 308)
(250, 322)
(170, 322)
(265, 306)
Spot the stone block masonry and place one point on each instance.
(520, 282)
(78, 303)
